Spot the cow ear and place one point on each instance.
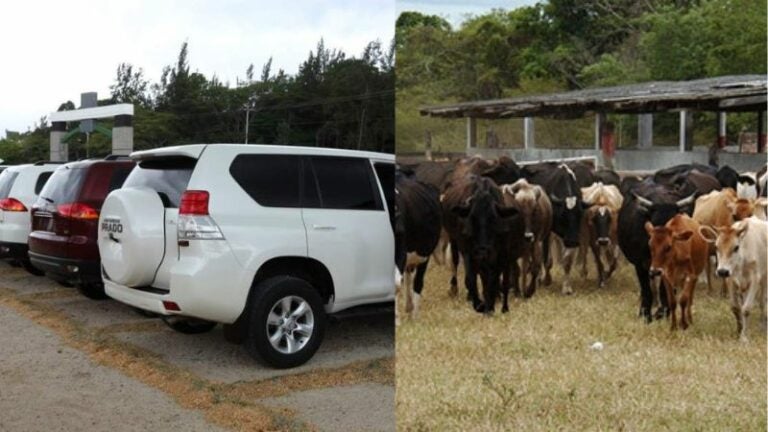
(708, 233)
(740, 228)
(506, 212)
(461, 211)
(683, 236)
(649, 228)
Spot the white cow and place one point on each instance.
(742, 251)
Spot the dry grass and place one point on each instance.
(533, 369)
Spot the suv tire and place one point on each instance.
(188, 325)
(94, 291)
(294, 306)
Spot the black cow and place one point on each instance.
(727, 176)
(479, 225)
(648, 201)
(561, 184)
(608, 177)
(434, 173)
(417, 230)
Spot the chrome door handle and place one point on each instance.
(323, 227)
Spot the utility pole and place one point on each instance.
(247, 112)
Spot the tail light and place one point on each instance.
(78, 211)
(194, 221)
(12, 205)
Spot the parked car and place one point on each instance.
(264, 239)
(65, 221)
(19, 188)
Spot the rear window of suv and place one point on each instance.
(7, 178)
(271, 180)
(63, 185)
(169, 176)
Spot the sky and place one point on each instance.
(54, 50)
(455, 11)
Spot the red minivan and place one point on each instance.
(65, 221)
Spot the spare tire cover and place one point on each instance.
(132, 236)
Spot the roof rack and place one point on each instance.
(38, 163)
(116, 157)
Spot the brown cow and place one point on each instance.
(536, 213)
(678, 254)
(743, 208)
(714, 210)
(599, 228)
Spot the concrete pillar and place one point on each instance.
(645, 130)
(59, 149)
(428, 145)
(686, 130)
(122, 135)
(471, 133)
(528, 130)
(761, 131)
(722, 135)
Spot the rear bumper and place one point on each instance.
(65, 269)
(10, 250)
(144, 300)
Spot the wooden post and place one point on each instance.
(528, 130)
(645, 130)
(471, 133)
(428, 145)
(761, 131)
(722, 134)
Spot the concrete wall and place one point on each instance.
(636, 159)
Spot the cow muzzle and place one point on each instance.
(654, 272)
(603, 241)
(529, 237)
(723, 273)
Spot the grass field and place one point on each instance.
(533, 368)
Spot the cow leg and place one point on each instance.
(534, 268)
(646, 295)
(546, 253)
(582, 258)
(510, 271)
(408, 284)
(567, 262)
(526, 261)
(686, 302)
(418, 285)
(470, 280)
(598, 263)
(672, 303)
(736, 302)
(612, 254)
(398, 284)
(746, 307)
(709, 275)
(454, 268)
(490, 291)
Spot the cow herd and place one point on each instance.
(504, 222)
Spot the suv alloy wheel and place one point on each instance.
(287, 322)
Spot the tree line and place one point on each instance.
(560, 45)
(333, 100)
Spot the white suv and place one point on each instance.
(20, 186)
(264, 239)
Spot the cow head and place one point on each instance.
(567, 213)
(526, 198)
(660, 213)
(484, 219)
(667, 246)
(600, 218)
(727, 240)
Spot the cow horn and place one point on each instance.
(686, 201)
(644, 202)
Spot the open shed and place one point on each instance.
(740, 93)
